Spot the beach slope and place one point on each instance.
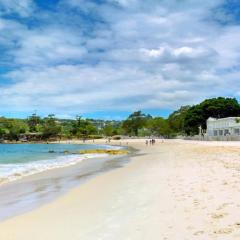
(173, 190)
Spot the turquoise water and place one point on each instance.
(23, 153)
(18, 160)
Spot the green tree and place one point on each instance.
(85, 128)
(15, 127)
(33, 122)
(90, 129)
(177, 118)
(2, 132)
(134, 122)
(50, 127)
(67, 128)
(76, 125)
(108, 130)
(215, 107)
(159, 127)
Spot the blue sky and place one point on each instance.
(107, 58)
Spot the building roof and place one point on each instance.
(227, 118)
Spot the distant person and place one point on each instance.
(146, 142)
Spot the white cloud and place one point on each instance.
(120, 55)
(49, 46)
(175, 54)
(153, 52)
(21, 7)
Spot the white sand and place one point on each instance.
(174, 190)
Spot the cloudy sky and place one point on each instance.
(106, 58)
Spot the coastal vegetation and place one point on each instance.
(184, 121)
(217, 108)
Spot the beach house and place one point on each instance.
(223, 127)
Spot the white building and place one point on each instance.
(223, 127)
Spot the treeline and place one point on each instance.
(184, 121)
(35, 128)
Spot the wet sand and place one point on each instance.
(173, 190)
(32, 191)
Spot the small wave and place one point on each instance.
(11, 172)
(114, 147)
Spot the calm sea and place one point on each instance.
(17, 160)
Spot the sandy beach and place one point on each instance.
(171, 191)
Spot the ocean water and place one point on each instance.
(18, 160)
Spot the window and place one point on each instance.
(215, 132)
(237, 131)
(220, 132)
(226, 132)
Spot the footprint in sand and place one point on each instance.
(224, 205)
(198, 233)
(225, 183)
(196, 202)
(237, 224)
(226, 230)
(219, 215)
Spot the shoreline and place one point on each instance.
(31, 191)
(74, 158)
(173, 190)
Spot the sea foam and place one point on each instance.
(11, 172)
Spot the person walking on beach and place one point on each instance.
(146, 142)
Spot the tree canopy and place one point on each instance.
(134, 122)
(216, 107)
(184, 121)
(177, 118)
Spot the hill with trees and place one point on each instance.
(184, 121)
(216, 107)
